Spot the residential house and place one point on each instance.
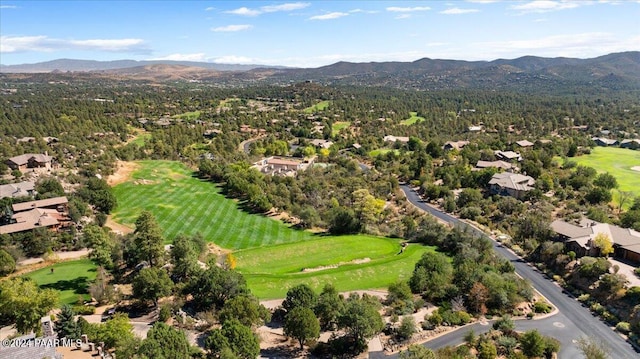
(474, 128)
(30, 161)
(14, 190)
(508, 156)
(322, 143)
(60, 204)
(282, 166)
(524, 143)
(390, 138)
(626, 242)
(495, 164)
(633, 144)
(211, 133)
(511, 184)
(454, 145)
(604, 142)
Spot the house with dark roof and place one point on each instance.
(30, 161)
(511, 184)
(604, 142)
(625, 241)
(633, 144)
(454, 145)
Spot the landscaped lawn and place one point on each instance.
(317, 107)
(184, 204)
(141, 139)
(189, 116)
(413, 119)
(618, 162)
(382, 151)
(339, 126)
(71, 279)
(271, 271)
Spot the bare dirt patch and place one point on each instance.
(117, 227)
(123, 172)
(635, 168)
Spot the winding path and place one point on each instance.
(571, 323)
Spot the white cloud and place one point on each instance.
(408, 9)
(10, 44)
(244, 11)
(8, 7)
(231, 28)
(542, 6)
(285, 7)
(356, 11)
(232, 59)
(458, 11)
(210, 8)
(483, 1)
(570, 45)
(402, 16)
(181, 57)
(329, 16)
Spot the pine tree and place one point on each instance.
(66, 325)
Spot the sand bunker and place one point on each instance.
(123, 172)
(635, 168)
(355, 261)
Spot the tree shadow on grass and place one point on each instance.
(78, 285)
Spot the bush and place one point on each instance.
(165, 313)
(84, 309)
(584, 297)
(542, 307)
(623, 327)
(435, 319)
(597, 307)
(637, 271)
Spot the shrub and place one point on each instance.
(165, 313)
(84, 309)
(597, 307)
(435, 319)
(584, 297)
(542, 307)
(623, 327)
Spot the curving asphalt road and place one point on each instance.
(572, 322)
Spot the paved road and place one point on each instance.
(574, 321)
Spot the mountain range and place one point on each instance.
(613, 71)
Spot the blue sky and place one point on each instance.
(314, 33)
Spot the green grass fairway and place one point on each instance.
(271, 271)
(413, 119)
(320, 106)
(70, 278)
(183, 204)
(618, 162)
(339, 126)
